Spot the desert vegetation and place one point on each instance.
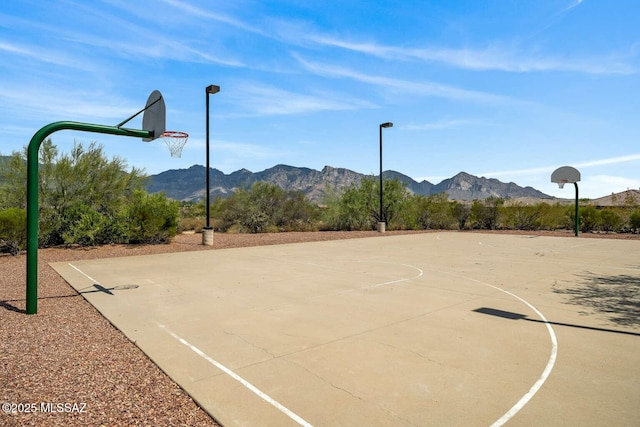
(265, 207)
(87, 199)
(84, 199)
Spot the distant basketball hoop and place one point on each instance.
(568, 175)
(565, 175)
(175, 141)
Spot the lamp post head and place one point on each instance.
(386, 125)
(213, 89)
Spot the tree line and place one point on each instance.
(87, 199)
(265, 207)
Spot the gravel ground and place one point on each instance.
(69, 354)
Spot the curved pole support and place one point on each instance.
(32, 192)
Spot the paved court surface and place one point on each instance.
(453, 329)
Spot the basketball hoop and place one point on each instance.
(175, 141)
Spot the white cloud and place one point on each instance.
(620, 183)
(609, 161)
(575, 3)
(202, 13)
(445, 124)
(240, 150)
(595, 186)
(549, 169)
(48, 56)
(496, 57)
(265, 100)
(65, 104)
(420, 88)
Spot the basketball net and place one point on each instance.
(175, 141)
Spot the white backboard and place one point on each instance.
(155, 115)
(565, 174)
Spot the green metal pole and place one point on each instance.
(577, 222)
(32, 193)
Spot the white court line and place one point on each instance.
(399, 280)
(238, 378)
(84, 274)
(500, 422)
(547, 369)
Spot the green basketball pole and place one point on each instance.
(32, 192)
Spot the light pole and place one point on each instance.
(207, 231)
(381, 222)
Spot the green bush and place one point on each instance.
(84, 197)
(434, 212)
(485, 214)
(191, 224)
(610, 220)
(589, 218)
(85, 227)
(552, 217)
(152, 218)
(460, 213)
(264, 208)
(13, 229)
(634, 220)
(358, 208)
(519, 216)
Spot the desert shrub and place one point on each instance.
(634, 220)
(485, 214)
(460, 213)
(355, 210)
(265, 207)
(552, 217)
(359, 205)
(610, 220)
(519, 216)
(83, 195)
(295, 213)
(191, 224)
(432, 212)
(13, 229)
(589, 218)
(152, 218)
(84, 226)
(329, 210)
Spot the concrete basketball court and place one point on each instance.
(455, 329)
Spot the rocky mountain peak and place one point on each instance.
(188, 184)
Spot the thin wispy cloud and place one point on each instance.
(240, 150)
(265, 100)
(549, 169)
(500, 58)
(445, 124)
(482, 76)
(46, 56)
(137, 42)
(609, 161)
(206, 14)
(65, 104)
(244, 150)
(575, 4)
(413, 87)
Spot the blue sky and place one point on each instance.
(502, 89)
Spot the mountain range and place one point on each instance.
(189, 184)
